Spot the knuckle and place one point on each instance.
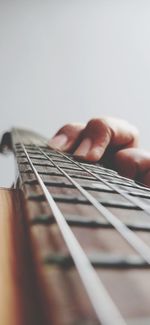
(98, 126)
(66, 128)
(72, 130)
(146, 178)
(134, 135)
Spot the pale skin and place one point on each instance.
(107, 138)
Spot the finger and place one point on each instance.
(66, 138)
(99, 134)
(133, 163)
(146, 178)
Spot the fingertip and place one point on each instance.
(83, 149)
(95, 154)
(58, 142)
(86, 151)
(66, 137)
(146, 179)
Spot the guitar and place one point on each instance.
(75, 241)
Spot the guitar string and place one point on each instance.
(132, 239)
(80, 167)
(115, 188)
(136, 201)
(98, 295)
(142, 246)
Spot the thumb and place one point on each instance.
(133, 163)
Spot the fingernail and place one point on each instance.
(83, 148)
(96, 153)
(58, 142)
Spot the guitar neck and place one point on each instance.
(88, 232)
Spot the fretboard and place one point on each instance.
(90, 235)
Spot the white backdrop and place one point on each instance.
(69, 60)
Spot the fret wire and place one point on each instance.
(76, 200)
(98, 295)
(132, 239)
(89, 222)
(64, 184)
(133, 200)
(100, 260)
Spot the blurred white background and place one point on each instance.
(69, 60)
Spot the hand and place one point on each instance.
(133, 163)
(102, 136)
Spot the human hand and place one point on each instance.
(102, 136)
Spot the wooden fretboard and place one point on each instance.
(89, 236)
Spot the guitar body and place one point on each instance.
(75, 241)
(18, 298)
(10, 300)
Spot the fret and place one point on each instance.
(92, 186)
(65, 184)
(100, 261)
(56, 173)
(78, 200)
(135, 187)
(142, 195)
(33, 156)
(28, 170)
(78, 221)
(41, 164)
(70, 169)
